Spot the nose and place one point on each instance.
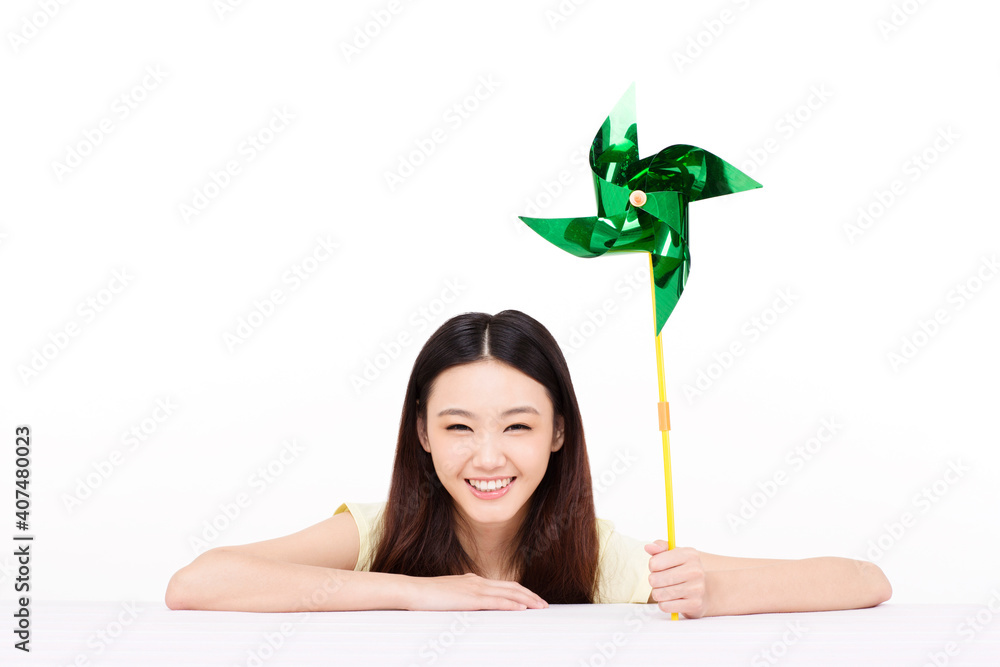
(488, 454)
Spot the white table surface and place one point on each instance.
(108, 633)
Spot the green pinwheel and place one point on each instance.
(642, 207)
(642, 203)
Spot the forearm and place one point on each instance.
(230, 581)
(810, 584)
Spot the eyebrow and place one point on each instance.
(468, 415)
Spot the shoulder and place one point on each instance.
(623, 566)
(365, 511)
(608, 535)
(604, 530)
(367, 517)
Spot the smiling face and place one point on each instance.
(488, 423)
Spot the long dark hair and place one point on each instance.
(555, 551)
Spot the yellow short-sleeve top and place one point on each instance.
(623, 565)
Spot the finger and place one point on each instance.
(511, 590)
(488, 601)
(508, 601)
(527, 593)
(503, 603)
(664, 560)
(691, 591)
(517, 592)
(661, 594)
(656, 547)
(678, 575)
(688, 606)
(682, 607)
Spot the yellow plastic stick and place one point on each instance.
(664, 412)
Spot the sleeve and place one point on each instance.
(366, 516)
(623, 568)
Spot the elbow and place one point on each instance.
(885, 589)
(876, 584)
(178, 591)
(186, 589)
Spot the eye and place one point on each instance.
(457, 427)
(519, 427)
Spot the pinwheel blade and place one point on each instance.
(583, 237)
(615, 148)
(692, 171)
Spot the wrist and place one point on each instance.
(713, 588)
(403, 591)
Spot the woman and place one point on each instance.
(490, 507)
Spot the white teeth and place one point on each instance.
(491, 485)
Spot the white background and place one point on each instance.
(825, 105)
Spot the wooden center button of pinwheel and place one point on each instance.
(637, 198)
